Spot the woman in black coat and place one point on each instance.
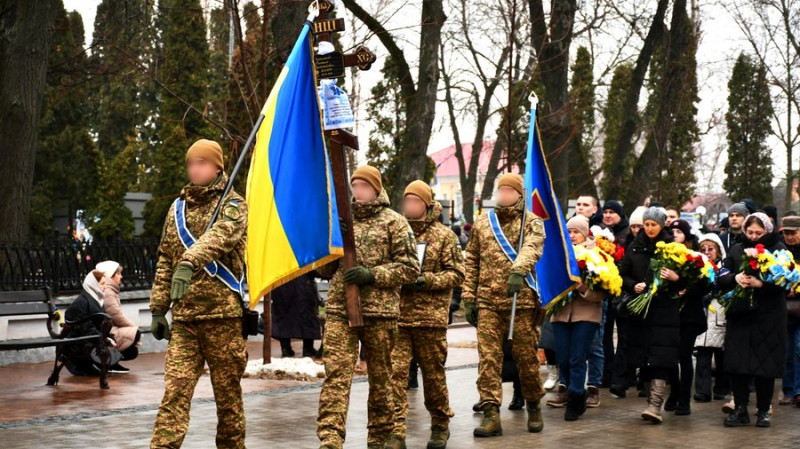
(693, 323)
(295, 314)
(755, 338)
(654, 339)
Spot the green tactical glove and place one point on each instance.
(159, 326)
(418, 285)
(359, 276)
(181, 280)
(515, 282)
(471, 313)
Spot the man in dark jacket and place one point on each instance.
(734, 234)
(614, 219)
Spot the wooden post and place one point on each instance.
(338, 139)
(266, 346)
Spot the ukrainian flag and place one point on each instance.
(557, 270)
(293, 222)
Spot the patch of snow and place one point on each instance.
(289, 365)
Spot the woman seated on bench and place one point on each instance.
(125, 332)
(81, 359)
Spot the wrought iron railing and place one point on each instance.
(62, 264)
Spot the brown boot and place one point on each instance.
(560, 398)
(593, 397)
(658, 389)
(490, 426)
(535, 420)
(439, 436)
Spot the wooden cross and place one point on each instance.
(332, 65)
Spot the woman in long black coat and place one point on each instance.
(653, 340)
(755, 338)
(693, 323)
(295, 314)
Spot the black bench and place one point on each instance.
(40, 302)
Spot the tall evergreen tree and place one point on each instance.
(123, 95)
(612, 119)
(65, 174)
(581, 180)
(674, 179)
(183, 64)
(749, 167)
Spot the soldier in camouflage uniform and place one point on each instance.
(424, 310)
(206, 314)
(491, 281)
(386, 258)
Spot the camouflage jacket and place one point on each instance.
(443, 269)
(384, 244)
(488, 267)
(208, 298)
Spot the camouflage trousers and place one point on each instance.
(220, 344)
(492, 332)
(429, 346)
(340, 343)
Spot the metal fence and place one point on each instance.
(62, 264)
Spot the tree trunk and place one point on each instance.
(672, 95)
(25, 29)
(554, 69)
(631, 104)
(421, 108)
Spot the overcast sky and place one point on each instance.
(721, 42)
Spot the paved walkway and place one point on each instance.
(281, 414)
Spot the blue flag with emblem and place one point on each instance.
(557, 270)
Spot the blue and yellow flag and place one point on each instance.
(557, 270)
(293, 222)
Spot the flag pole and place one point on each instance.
(236, 168)
(313, 12)
(519, 250)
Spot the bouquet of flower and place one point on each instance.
(776, 268)
(598, 272)
(604, 239)
(691, 266)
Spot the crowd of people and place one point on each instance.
(745, 349)
(411, 272)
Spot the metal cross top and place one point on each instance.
(332, 65)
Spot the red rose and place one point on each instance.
(760, 248)
(689, 258)
(582, 264)
(754, 264)
(699, 263)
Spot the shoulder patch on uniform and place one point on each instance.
(231, 211)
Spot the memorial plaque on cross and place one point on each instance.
(332, 65)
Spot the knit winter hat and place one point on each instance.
(615, 206)
(764, 219)
(108, 268)
(580, 224)
(420, 189)
(208, 150)
(772, 212)
(656, 214)
(370, 175)
(637, 217)
(739, 208)
(683, 225)
(512, 180)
